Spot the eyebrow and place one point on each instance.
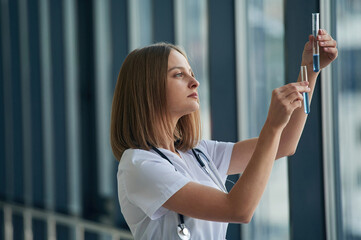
(182, 68)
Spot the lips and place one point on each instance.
(193, 95)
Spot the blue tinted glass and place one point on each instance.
(349, 97)
(191, 33)
(265, 67)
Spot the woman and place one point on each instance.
(171, 183)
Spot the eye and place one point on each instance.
(178, 75)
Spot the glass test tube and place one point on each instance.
(316, 50)
(306, 103)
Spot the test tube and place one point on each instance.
(316, 50)
(306, 103)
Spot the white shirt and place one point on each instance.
(146, 181)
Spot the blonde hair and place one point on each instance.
(139, 116)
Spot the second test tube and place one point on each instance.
(306, 103)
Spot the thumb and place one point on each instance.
(308, 45)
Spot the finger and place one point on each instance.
(295, 84)
(295, 87)
(294, 96)
(308, 45)
(331, 43)
(332, 51)
(324, 37)
(311, 38)
(296, 104)
(322, 32)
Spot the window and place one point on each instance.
(141, 28)
(263, 62)
(348, 15)
(191, 33)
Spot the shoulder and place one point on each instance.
(210, 146)
(137, 155)
(205, 143)
(139, 162)
(216, 150)
(137, 159)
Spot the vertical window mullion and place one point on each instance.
(119, 42)
(47, 104)
(330, 148)
(25, 100)
(7, 188)
(72, 106)
(242, 68)
(103, 100)
(222, 79)
(305, 167)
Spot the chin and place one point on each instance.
(191, 108)
(196, 107)
(191, 111)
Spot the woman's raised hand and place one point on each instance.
(284, 101)
(328, 49)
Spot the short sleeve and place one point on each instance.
(148, 180)
(219, 152)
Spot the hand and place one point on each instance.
(284, 101)
(328, 49)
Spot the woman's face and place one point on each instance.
(182, 96)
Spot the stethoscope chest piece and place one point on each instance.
(183, 232)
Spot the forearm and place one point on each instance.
(293, 130)
(247, 192)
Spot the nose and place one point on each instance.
(193, 83)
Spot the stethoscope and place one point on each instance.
(182, 230)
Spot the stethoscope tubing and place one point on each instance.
(214, 173)
(182, 231)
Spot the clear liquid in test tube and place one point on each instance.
(306, 103)
(316, 50)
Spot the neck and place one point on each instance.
(169, 143)
(169, 146)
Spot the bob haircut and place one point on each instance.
(139, 116)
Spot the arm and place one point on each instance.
(199, 201)
(243, 150)
(292, 133)
(328, 53)
(193, 199)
